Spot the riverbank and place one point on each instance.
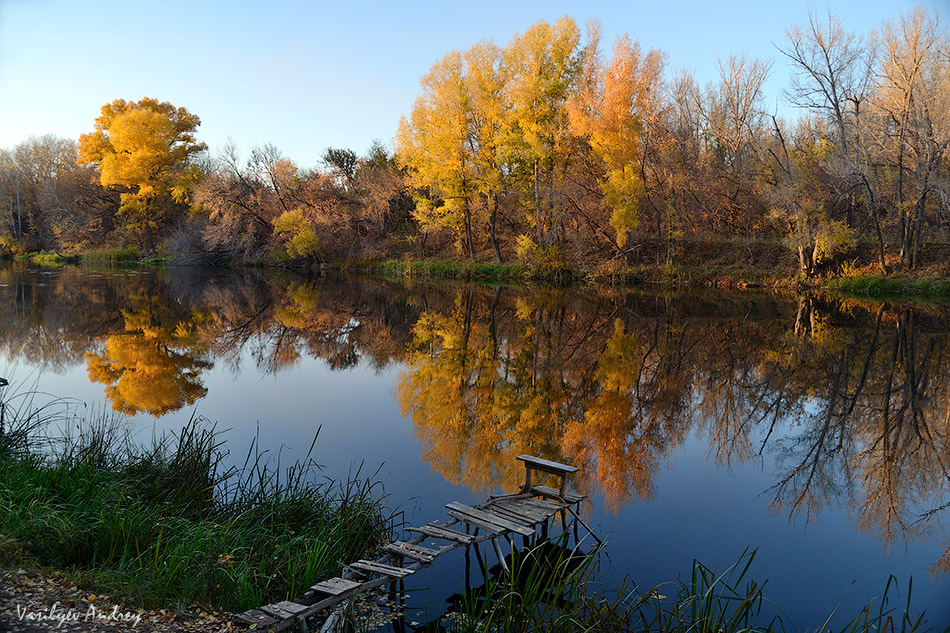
(717, 263)
(714, 262)
(34, 600)
(167, 524)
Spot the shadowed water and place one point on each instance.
(814, 430)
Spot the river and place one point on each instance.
(814, 430)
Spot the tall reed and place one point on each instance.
(168, 523)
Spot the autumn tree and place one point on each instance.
(435, 144)
(614, 114)
(543, 63)
(143, 150)
(28, 177)
(486, 80)
(801, 194)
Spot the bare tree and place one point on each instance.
(833, 74)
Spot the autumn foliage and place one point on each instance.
(553, 149)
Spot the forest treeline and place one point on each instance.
(553, 150)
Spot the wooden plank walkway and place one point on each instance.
(523, 512)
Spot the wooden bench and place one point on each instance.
(532, 464)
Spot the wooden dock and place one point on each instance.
(526, 512)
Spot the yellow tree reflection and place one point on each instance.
(149, 368)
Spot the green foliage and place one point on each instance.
(45, 259)
(562, 595)
(452, 270)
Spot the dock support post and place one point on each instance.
(501, 557)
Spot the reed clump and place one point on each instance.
(555, 590)
(167, 523)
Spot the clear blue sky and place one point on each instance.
(305, 76)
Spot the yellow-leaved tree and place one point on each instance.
(143, 150)
(543, 64)
(436, 146)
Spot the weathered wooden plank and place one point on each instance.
(336, 586)
(293, 607)
(492, 528)
(528, 516)
(258, 617)
(486, 516)
(547, 491)
(546, 505)
(555, 468)
(536, 506)
(381, 568)
(448, 534)
(415, 552)
(277, 612)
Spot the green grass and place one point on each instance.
(125, 255)
(46, 258)
(560, 594)
(884, 286)
(473, 271)
(167, 524)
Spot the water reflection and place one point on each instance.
(150, 367)
(849, 398)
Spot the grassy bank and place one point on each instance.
(698, 261)
(47, 259)
(879, 286)
(470, 271)
(167, 524)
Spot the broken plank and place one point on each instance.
(415, 552)
(380, 568)
(258, 617)
(277, 612)
(336, 586)
(547, 491)
(486, 516)
(555, 468)
(527, 517)
(447, 534)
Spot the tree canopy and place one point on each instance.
(144, 149)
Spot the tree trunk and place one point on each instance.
(877, 224)
(492, 223)
(919, 229)
(804, 257)
(468, 231)
(150, 242)
(539, 231)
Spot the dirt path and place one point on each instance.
(31, 602)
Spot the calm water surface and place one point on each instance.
(814, 431)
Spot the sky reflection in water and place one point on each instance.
(813, 430)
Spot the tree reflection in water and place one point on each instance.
(849, 397)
